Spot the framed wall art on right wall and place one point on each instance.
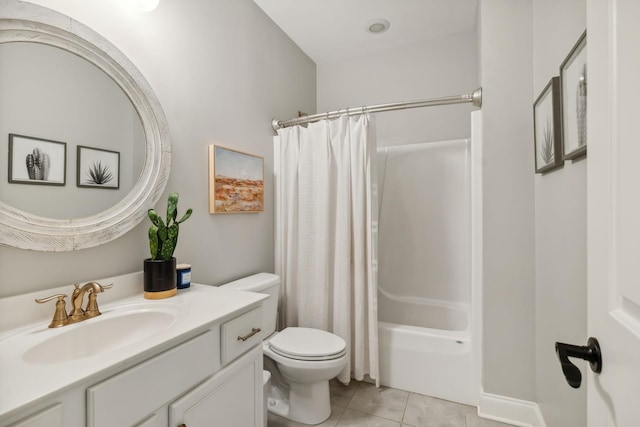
(573, 86)
(547, 125)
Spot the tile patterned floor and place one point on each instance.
(363, 405)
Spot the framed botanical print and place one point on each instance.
(547, 124)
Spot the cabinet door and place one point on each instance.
(139, 391)
(230, 398)
(50, 417)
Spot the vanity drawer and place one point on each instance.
(128, 397)
(241, 334)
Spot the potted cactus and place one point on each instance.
(160, 269)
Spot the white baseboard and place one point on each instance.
(508, 410)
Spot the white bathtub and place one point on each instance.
(434, 361)
(427, 361)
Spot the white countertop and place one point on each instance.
(23, 383)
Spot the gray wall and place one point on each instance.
(535, 226)
(561, 231)
(508, 198)
(430, 69)
(221, 70)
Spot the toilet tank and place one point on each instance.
(264, 283)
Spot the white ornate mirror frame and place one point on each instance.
(23, 22)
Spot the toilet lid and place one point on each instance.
(308, 344)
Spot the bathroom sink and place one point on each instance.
(114, 329)
(37, 363)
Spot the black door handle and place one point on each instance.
(590, 352)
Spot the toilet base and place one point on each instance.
(303, 403)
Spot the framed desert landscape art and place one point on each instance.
(236, 181)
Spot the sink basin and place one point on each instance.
(110, 331)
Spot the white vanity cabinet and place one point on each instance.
(231, 394)
(213, 376)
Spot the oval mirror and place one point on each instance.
(83, 168)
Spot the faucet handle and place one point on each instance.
(92, 306)
(46, 299)
(60, 317)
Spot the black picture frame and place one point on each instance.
(97, 168)
(37, 161)
(547, 124)
(573, 87)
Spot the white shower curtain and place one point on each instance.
(326, 234)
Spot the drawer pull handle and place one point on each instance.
(249, 335)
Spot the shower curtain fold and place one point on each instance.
(326, 234)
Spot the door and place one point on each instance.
(613, 183)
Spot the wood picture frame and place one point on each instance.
(236, 181)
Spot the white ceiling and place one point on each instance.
(330, 30)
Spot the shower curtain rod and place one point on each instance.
(474, 98)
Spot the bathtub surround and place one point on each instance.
(426, 185)
(326, 251)
(428, 292)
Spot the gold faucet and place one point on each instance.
(77, 314)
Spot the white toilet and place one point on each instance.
(304, 359)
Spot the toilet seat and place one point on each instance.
(307, 344)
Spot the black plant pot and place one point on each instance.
(159, 278)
